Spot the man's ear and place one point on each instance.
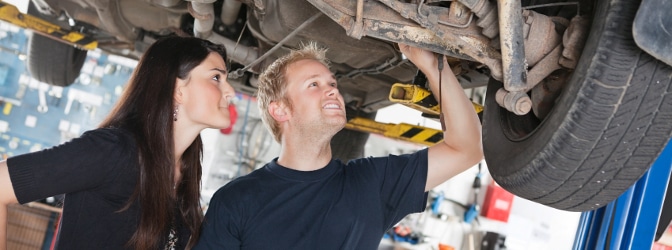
(278, 111)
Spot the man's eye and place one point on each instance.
(312, 84)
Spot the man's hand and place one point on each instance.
(423, 59)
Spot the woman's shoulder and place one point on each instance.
(109, 131)
(109, 136)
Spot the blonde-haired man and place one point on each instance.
(304, 199)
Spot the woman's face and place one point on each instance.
(205, 94)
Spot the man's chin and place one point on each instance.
(339, 121)
(336, 124)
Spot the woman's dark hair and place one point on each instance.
(146, 109)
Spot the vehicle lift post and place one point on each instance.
(630, 221)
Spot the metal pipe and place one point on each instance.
(203, 13)
(238, 53)
(511, 38)
(204, 17)
(459, 16)
(230, 10)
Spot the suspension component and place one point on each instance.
(512, 45)
(487, 16)
(517, 102)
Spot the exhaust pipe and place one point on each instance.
(204, 19)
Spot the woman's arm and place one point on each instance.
(6, 197)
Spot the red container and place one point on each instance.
(497, 203)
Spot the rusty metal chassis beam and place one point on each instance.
(423, 26)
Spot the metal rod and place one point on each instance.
(239, 72)
(360, 12)
(514, 67)
(578, 6)
(471, 16)
(357, 29)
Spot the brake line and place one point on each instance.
(239, 72)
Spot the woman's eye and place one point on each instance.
(216, 78)
(312, 84)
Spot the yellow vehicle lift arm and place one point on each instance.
(413, 96)
(11, 14)
(402, 131)
(419, 98)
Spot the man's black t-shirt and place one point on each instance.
(336, 207)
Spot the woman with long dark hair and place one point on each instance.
(134, 182)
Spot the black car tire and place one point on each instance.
(54, 62)
(609, 125)
(51, 61)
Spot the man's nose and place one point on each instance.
(332, 91)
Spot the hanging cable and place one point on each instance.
(440, 66)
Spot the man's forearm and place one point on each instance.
(463, 129)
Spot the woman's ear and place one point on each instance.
(278, 111)
(179, 88)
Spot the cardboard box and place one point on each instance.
(27, 227)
